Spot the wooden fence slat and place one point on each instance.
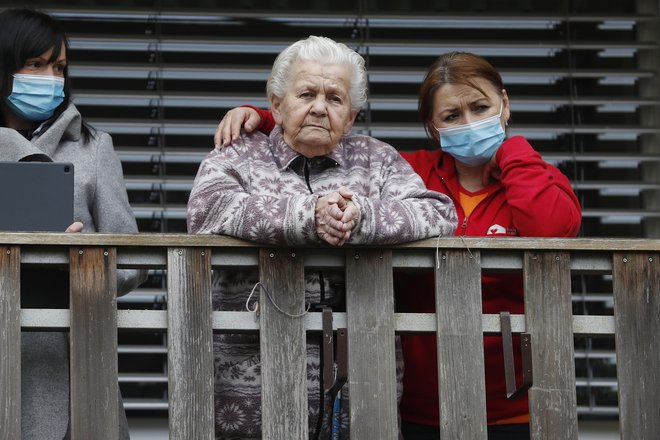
(460, 345)
(548, 310)
(371, 359)
(636, 284)
(94, 388)
(10, 342)
(190, 344)
(283, 345)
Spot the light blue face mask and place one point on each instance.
(35, 97)
(475, 143)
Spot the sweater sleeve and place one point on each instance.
(221, 201)
(110, 208)
(540, 196)
(404, 209)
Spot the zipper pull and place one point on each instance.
(464, 225)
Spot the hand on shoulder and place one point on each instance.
(229, 128)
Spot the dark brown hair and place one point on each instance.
(26, 33)
(454, 68)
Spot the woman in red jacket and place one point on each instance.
(500, 187)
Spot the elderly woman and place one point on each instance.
(310, 181)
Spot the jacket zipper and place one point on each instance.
(456, 200)
(464, 226)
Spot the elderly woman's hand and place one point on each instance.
(336, 215)
(230, 126)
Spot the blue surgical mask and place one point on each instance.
(475, 143)
(35, 97)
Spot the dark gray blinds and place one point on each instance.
(580, 83)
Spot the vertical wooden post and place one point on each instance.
(371, 360)
(636, 283)
(460, 345)
(94, 389)
(283, 345)
(10, 342)
(549, 319)
(190, 343)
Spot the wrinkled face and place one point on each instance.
(40, 65)
(315, 111)
(458, 104)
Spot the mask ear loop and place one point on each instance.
(466, 246)
(437, 251)
(255, 308)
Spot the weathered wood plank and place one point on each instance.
(548, 309)
(132, 240)
(636, 284)
(371, 360)
(94, 388)
(282, 338)
(227, 321)
(605, 245)
(190, 343)
(10, 342)
(460, 345)
(145, 257)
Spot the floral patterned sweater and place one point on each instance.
(260, 189)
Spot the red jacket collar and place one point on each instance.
(438, 168)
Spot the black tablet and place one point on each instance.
(36, 196)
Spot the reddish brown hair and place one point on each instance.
(454, 68)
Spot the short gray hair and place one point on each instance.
(325, 51)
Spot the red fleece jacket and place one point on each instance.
(533, 199)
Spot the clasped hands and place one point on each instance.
(336, 216)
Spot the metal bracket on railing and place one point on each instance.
(328, 350)
(509, 367)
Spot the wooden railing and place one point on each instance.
(546, 264)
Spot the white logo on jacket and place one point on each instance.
(496, 230)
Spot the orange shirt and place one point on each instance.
(469, 201)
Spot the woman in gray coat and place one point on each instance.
(39, 123)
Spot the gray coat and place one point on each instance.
(101, 204)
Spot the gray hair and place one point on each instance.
(325, 51)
